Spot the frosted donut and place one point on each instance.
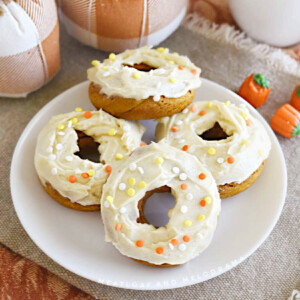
(72, 181)
(192, 221)
(235, 156)
(143, 83)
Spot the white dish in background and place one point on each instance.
(75, 239)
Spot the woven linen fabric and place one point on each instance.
(272, 272)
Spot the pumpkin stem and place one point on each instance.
(296, 130)
(261, 80)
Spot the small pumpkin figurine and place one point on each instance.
(286, 121)
(295, 98)
(255, 89)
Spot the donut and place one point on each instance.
(143, 83)
(73, 181)
(230, 142)
(192, 221)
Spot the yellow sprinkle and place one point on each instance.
(209, 104)
(109, 199)
(244, 115)
(211, 151)
(112, 131)
(131, 181)
(91, 172)
(159, 160)
(172, 79)
(131, 192)
(207, 199)
(112, 56)
(142, 184)
(95, 63)
(201, 217)
(171, 62)
(261, 152)
(245, 142)
(104, 67)
(119, 156)
(61, 126)
(227, 103)
(161, 49)
(78, 109)
(74, 121)
(187, 223)
(136, 75)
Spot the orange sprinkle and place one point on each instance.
(108, 169)
(184, 186)
(72, 179)
(247, 122)
(186, 238)
(85, 175)
(118, 227)
(143, 144)
(87, 114)
(193, 108)
(139, 243)
(159, 250)
(185, 148)
(202, 113)
(230, 160)
(175, 128)
(202, 176)
(203, 202)
(174, 242)
(180, 68)
(194, 71)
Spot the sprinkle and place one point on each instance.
(139, 243)
(131, 181)
(244, 115)
(104, 67)
(123, 210)
(59, 146)
(70, 124)
(175, 128)
(207, 199)
(159, 160)
(78, 109)
(183, 186)
(180, 68)
(78, 171)
(112, 56)
(187, 223)
(183, 209)
(52, 156)
(106, 74)
(122, 186)
(203, 203)
(95, 63)
(112, 131)
(261, 152)
(202, 113)
(136, 75)
(119, 156)
(87, 114)
(126, 127)
(171, 246)
(161, 49)
(227, 103)
(172, 80)
(156, 98)
(202, 176)
(181, 141)
(109, 199)
(171, 62)
(175, 170)
(132, 166)
(72, 179)
(74, 121)
(185, 148)
(60, 126)
(49, 149)
(193, 109)
(118, 227)
(186, 238)
(178, 122)
(211, 151)
(142, 144)
(174, 242)
(131, 192)
(106, 204)
(141, 170)
(245, 142)
(182, 247)
(69, 158)
(91, 172)
(54, 171)
(194, 71)
(220, 160)
(185, 111)
(159, 250)
(85, 175)
(248, 123)
(230, 160)
(189, 196)
(209, 104)
(142, 184)
(108, 169)
(200, 217)
(182, 176)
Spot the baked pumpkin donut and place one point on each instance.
(70, 180)
(143, 83)
(231, 143)
(192, 221)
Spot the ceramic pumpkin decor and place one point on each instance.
(255, 89)
(295, 98)
(286, 121)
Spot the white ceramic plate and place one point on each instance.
(75, 240)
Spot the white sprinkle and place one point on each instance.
(122, 186)
(126, 127)
(69, 158)
(70, 124)
(178, 122)
(185, 111)
(61, 133)
(49, 149)
(59, 146)
(158, 85)
(123, 210)
(175, 170)
(201, 235)
(132, 166)
(141, 170)
(183, 209)
(156, 98)
(106, 74)
(220, 160)
(182, 176)
(54, 171)
(52, 156)
(160, 71)
(181, 141)
(78, 171)
(182, 247)
(171, 246)
(106, 204)
(189, 196)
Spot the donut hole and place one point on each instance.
(155, 205)
(141, 67)
(216, 133)
(88, 148)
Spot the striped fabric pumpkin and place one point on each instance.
(113, 25)
(29, 45)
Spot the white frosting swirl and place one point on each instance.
(174, 75)
(192, 221)
(232, 159)
(55, 160)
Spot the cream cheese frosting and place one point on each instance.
(173, 75)
(55, 160)
(192, 221)
(232, 159)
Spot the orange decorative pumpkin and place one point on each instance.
(286, 121)
(295, 98)
(255, 89)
